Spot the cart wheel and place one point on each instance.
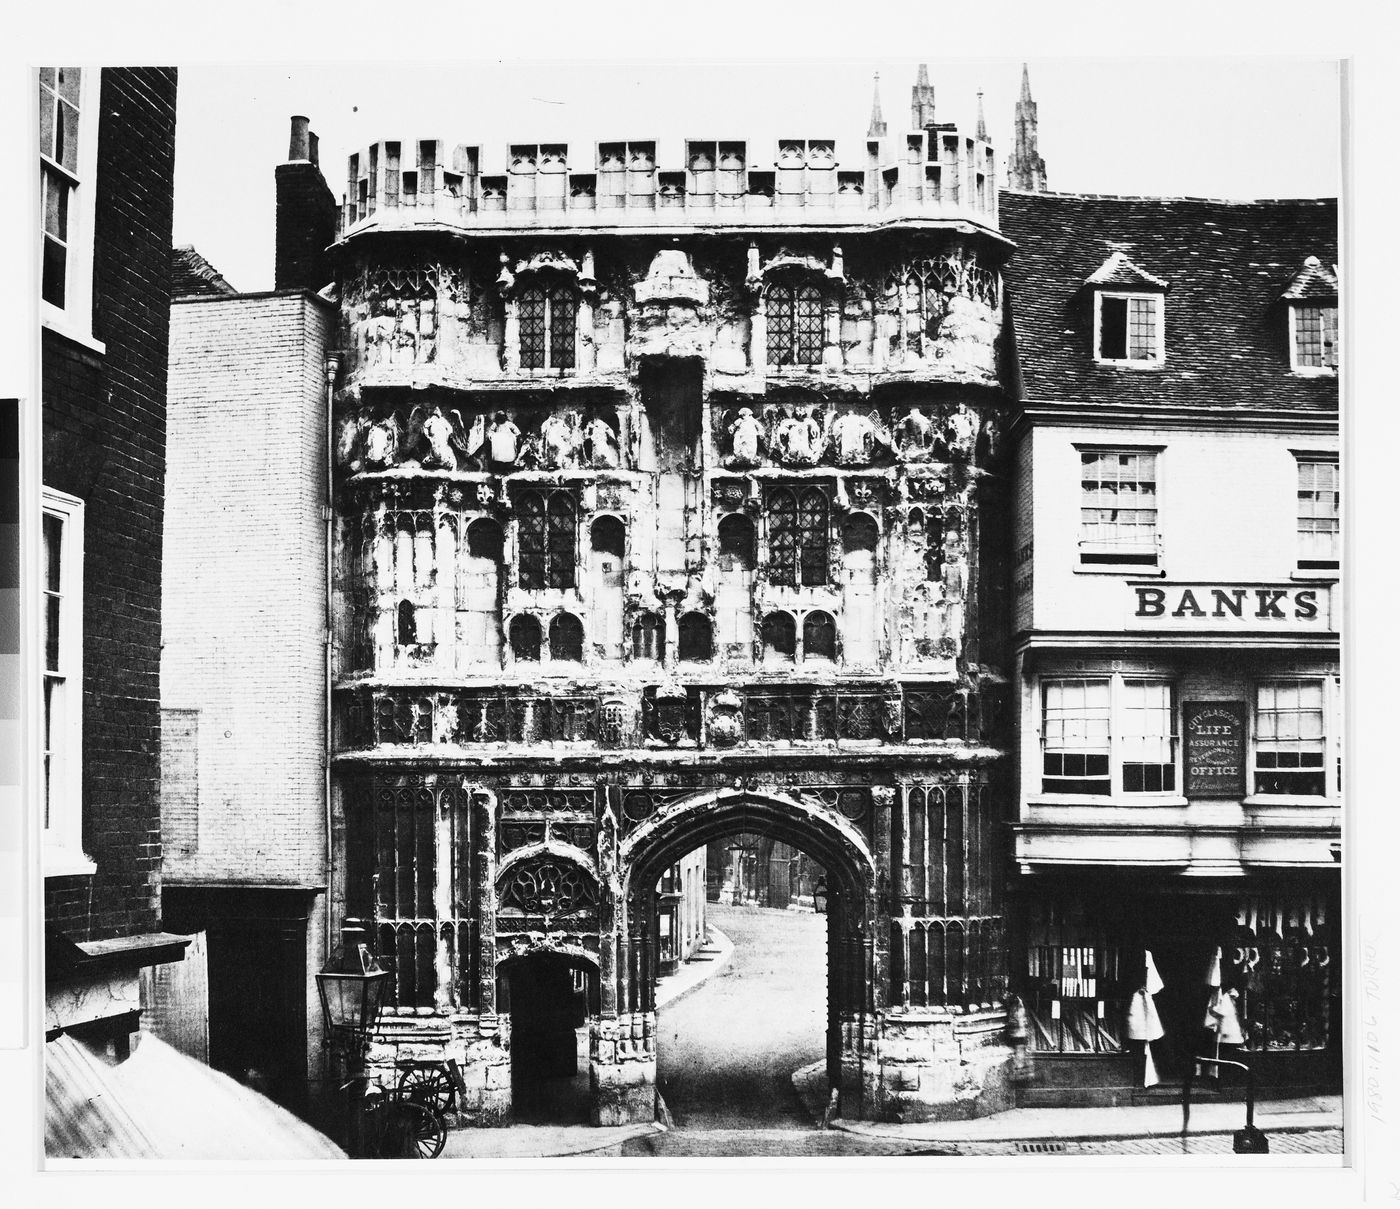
(411, 1132)
(428, 1086)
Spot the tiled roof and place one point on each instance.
(1118, 270)
(191, 274)
(1314, 280)
(1227, 265)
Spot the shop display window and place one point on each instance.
(1078, 978)
(1280, 964)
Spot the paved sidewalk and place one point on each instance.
(545, 1141)
(1085, 1126)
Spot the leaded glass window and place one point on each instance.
(795, 324)
(798, 536)
(547, 539)
(548, 321)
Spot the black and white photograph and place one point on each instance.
(647, 610)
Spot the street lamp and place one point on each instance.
(352, 986)
(819, 896)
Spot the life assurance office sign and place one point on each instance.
(1287, 608)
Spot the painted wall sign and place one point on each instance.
(1215, 755)
(1229, 606)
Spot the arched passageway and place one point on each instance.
(549, 998)
(690, 822)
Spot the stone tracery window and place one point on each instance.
(818, 636)
(548, 323)
(780, 637)
(402, 841)
(547, 539)
(525, 638)
(795, 324)
(798, 536)
(566, 638)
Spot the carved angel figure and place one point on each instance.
(914, 436)
(558, 436)
(502, 442)
(745, 439)
(438, 430)
(854, 439)
(349, 439)
(798, 438)
(382, 443)
(600, 445)
(961, 431)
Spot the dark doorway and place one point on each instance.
(258, 980)
(549, 998)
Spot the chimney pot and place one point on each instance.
(300, 146)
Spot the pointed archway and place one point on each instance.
(688, 822)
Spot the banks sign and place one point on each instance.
(1216, 606)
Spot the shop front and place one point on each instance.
(1085, 976)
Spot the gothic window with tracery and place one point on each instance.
(818, 636)
(780, 637)
(566, 638)
(548, 321)
(402, 841)
(547, 539)
(798, 536)
(795, 325)
(525, 638)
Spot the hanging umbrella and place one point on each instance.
(1143, 1022)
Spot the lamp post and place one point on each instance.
(819, 896)
(351, 987)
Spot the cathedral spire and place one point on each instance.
(878, 126)
(981, 118)
(921, 101)
(1025, 169)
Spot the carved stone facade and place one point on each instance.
(642, 541)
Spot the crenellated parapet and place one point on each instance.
(932, 174)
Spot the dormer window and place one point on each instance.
(1128, 327)
(1129, 314)
(1311, 298)
(1314, 342)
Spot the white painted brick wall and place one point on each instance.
(243, 594)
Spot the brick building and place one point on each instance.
(244, 673)
(107, 150)
(1178, 607)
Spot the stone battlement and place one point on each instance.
(933, 174)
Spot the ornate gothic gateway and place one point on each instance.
(645, 541)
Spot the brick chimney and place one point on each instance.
(306, 215)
